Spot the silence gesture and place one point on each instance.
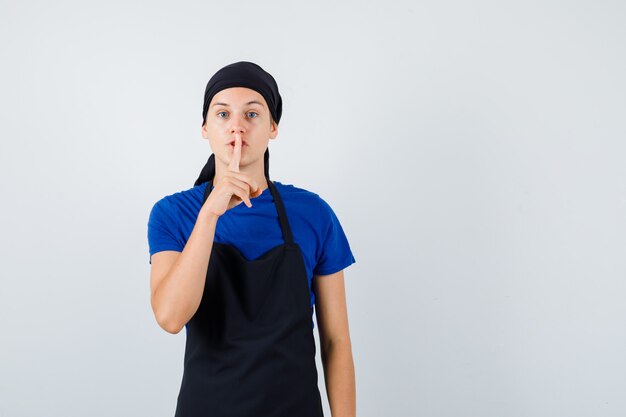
(234, 186)
(234, 161)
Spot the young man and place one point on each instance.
(243, 278)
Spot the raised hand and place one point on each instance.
(234, 187)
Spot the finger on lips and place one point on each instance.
(234, 166)
(234, 161)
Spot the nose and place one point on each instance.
(237, 124)
(237, 128)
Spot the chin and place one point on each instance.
(223, 158)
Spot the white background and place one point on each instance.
(473, 152)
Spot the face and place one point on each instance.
(243, 110)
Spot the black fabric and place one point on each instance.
(241, 74)
(250, 350)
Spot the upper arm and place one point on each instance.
(162, 262)
(333, 251)
(164, 233)
(331, 308)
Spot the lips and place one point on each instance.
(243, 143)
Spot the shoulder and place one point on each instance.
(308, 205)
(300, 196)
(292, 191)
(184, 200)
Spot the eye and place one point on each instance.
(252, 112)
(218, 114)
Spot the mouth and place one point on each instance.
(243, 143)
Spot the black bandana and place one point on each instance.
(245, 74)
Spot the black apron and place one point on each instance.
(250, 350)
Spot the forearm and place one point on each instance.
(340, 380)
(178, 296)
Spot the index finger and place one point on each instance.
(236, 157)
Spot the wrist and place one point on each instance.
(208, 215)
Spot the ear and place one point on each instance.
(205, 132)
(273, 130)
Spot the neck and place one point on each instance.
(255, 170)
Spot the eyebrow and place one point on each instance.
(248, 103)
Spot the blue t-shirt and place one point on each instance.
(254, 231)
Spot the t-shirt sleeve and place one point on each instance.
(334, 252)
(161, 230)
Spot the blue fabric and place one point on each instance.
(254, 231)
